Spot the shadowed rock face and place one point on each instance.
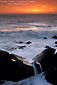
(48, 61)
(51, 74)
(46, 58)
(12, 68)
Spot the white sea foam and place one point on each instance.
(35, 69)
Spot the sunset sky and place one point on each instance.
(35, 6)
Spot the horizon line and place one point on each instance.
(28, 13)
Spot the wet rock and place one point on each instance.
(1, 82)
(51, 73)
(45, 37)
(51, 76)
(55, 60)
(48, 61)
(49, 26)
(55, 45)
(55, 37)
(13, 67)
(55, 42)
(21, 47)
(47, 47)
(20, 42)
(29, 42)
(46, 58)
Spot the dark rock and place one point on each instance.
(13, 67)
(29, 42)
(46, 58)
(51, 73)
(45, 37)
(55, 60)
(47, 47)
(20, 42)
(48, 61)
(55, 37)
(55, 45)
(51, 76)
(1, 82)
(21, 47)
(49, 26)
(55, 42)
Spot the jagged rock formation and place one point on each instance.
(13, 67)
(48, 61)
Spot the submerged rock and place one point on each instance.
(55, 45)
(13, 67)
(20, 42)
(55, 37)
(49, 26)
(55, 42)
(29, 42)
(21, 47)
(45, 37)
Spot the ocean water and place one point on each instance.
(16, 28)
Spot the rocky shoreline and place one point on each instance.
(15, 68)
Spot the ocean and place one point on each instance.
(16, 30)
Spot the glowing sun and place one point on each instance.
(36, 10)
